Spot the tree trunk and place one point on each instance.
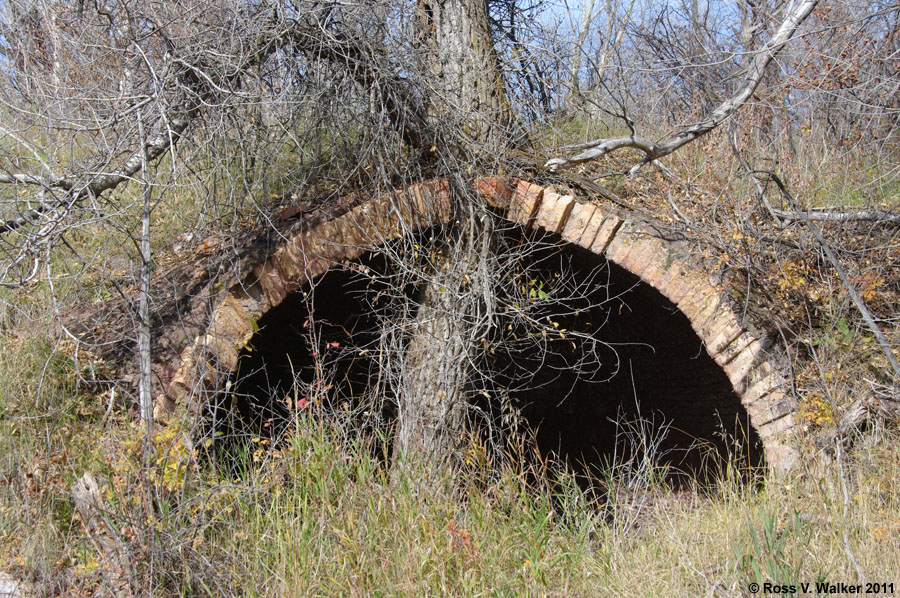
(455, 311)
(435, 367)
(467, 93)
(573, 96)
(466, 85)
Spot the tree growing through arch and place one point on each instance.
(229, 101)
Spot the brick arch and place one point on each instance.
(668, 266)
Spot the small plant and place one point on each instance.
(843, 335)
(770, 554)
(537, 293)
(636, 467)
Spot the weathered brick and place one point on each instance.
(680, 286)
(656, 269)
(606, 234)
(781, 456)
(163, 408)
(222, 356)
(412, 208)
(775, 427)
(702, 301)
(366, 219)
(496, 191)
(181, 385)
(271, 282)
(715, 318)
(731, 351)
(725, 333)
(306, 248)
(586, 239)
(554, 211)
(354, 235)
(738, 368)
(247, 294)
(231, 322)
(434, 200)
(616, 248)
(766, 408)
(637, 256)
(627, 242)
(290, 263)
(669, 278)
(384, 219)
(330, 237)
(578, 221)
(524, 203)
(763, 370)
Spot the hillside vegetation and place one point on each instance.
(318, 512)
(151, 150)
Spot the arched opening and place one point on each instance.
(611, 352)
(657, 389)
(315, 346)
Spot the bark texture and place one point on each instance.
(435, 368)
(466, 85)
(467, 93)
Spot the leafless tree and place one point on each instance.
(656, 150)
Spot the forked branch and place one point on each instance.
(598, 148)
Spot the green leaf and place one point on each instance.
(844, 329)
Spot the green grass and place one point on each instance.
(339, 524)
(347, 527)
(48, 428)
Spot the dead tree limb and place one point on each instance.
(845, 280)
(196, 92)
(838, 215)
(200, 89)
(598, 148)
(99, 184)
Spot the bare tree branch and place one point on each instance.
(600, 147)
(845, 280)
(838, 215)
(404, 113)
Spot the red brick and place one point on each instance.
(496, 191)
(578, 221)
(554, 211)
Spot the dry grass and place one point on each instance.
(320, 515)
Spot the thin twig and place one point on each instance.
(845, 280)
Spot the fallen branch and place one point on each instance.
(600, 147)
(173, 125)
(845, 280)
(886, 399)
(22, 178)
(879, 216)
(98, 185)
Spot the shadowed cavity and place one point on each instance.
(583, 348)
